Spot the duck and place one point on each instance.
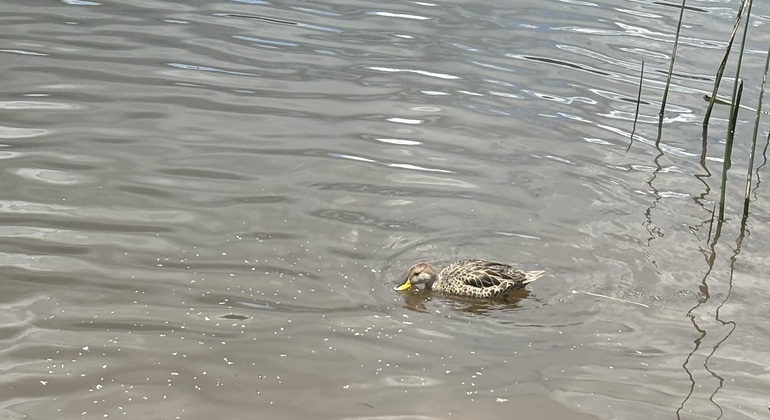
(470, 278)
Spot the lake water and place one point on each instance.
(206, 205)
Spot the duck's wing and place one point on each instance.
(483, 274)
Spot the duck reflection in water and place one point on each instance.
(418, 299)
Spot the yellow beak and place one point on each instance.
(407, 284)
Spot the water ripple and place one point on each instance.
(205, 206)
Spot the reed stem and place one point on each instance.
(729, 149)
(746, 197)
(638, 101)
(671, 63)
(723, 64)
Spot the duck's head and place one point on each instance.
(420, 273)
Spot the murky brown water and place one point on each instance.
(205, 207)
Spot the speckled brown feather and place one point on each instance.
(482, 279)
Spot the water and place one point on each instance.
(206, 205)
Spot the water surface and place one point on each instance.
(206, 205)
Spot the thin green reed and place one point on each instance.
(671, 63)
(743, 49)
(746, 198)
(638, 102)
(723, 64)
(729, 149)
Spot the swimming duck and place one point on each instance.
(471, 278)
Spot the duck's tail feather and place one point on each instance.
(530, 276)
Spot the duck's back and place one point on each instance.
(479, 278)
